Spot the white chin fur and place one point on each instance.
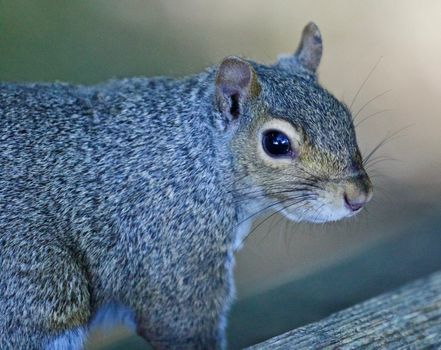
(323, 215)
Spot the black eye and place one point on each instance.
(276, 143)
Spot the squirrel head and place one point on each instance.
(293, 143)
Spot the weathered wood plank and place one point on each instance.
(408, 318)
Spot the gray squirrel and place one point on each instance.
(130, 198)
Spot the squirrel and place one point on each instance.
(130, 197)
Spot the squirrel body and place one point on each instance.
(132, 194)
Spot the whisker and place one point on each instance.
(364, 82)
(300, 184)
(372, 115)
(261, 223)
(280, 219)
(369, 101)
(383, 142)
(301, 197)
(267, 218)
(378, 161)
(317, 211)
(258, 194)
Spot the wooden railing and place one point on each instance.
(407, 318)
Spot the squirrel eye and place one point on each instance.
(276, 143)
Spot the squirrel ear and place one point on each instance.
(309, 51)
(236, 83)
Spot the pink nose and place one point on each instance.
(356, 202)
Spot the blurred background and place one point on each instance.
(385, 55)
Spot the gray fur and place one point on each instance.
(127, 193)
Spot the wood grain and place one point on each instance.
(407, 318)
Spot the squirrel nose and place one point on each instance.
(356, 201)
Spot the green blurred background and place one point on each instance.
(287, 275)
